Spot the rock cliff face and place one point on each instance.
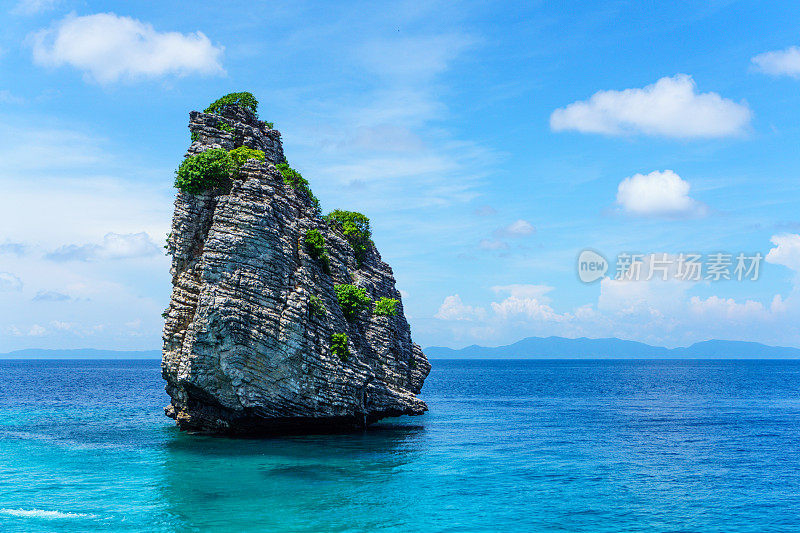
(244, 350)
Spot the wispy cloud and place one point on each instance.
(10, 282)
(32, 7)
(14, 248)
(114, 246)
(51, 296)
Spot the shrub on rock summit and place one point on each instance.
(355, 227)
(243, 99)
(352, 299)
(204, 171)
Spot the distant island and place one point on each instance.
(529, 348)
(613, 348)
(81, 353)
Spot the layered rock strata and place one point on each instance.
(245, 350)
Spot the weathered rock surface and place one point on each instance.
(243, 351)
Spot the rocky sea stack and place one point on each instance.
(281, 320)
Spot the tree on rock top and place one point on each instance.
(243, 99)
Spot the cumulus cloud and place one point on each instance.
(786, 251)
(657, 194)
(730, 310)
(453, 308)
(114, 246)
(671, 107)
(779, 62)
(529, 301)
(10, 282)
(108, 47)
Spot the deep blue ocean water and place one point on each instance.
(589, 446)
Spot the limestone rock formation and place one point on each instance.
(247, 347)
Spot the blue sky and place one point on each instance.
(488, 142)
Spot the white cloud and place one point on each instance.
(730, 310)
(657, 194)
(779, 62)
(10, 282)
(671, 107)
(520, 228)
(786, 251)
(36, 331)
(107, 48)
(515, 230)
(114, 246)
(529, 301)
(32, 7)
(453, 308)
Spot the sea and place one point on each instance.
(522, 445)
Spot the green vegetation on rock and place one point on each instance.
(385, 306)
(339, 345)
(315, 246)
(195, 136)
(355, 227)
(207, 170)
(240, 155)
(224, 126)
(316, 306)
(243, 99)
(298, 182)
(352, 299)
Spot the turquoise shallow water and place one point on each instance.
(508, 446)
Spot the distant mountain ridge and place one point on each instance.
(613, 348)
(81, 353)
(529, 348)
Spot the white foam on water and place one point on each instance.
(41, 513)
